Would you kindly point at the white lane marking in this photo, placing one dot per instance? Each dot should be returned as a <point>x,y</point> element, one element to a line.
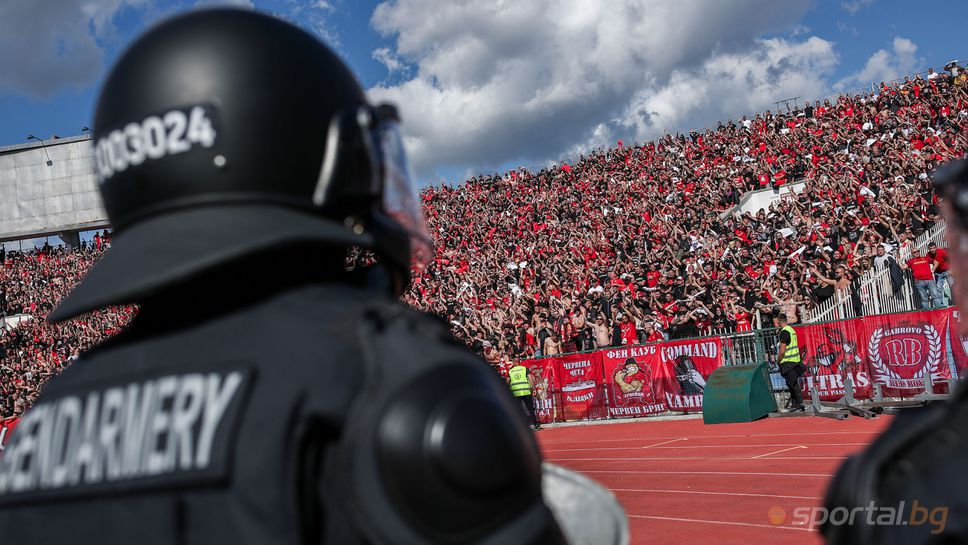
<point>708,493</point>
<point>778,452</point>
<point>662,443</point>
<point>778,527</point>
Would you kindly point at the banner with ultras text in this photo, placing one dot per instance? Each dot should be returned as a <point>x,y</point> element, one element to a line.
<point>896,351</point>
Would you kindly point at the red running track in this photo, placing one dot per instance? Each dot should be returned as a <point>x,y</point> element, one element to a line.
<point>684,483</point>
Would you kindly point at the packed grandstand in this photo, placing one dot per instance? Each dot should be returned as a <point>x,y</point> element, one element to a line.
<point>628,245</point>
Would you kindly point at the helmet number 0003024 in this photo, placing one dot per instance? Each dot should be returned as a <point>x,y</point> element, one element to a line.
<point>171,133</point>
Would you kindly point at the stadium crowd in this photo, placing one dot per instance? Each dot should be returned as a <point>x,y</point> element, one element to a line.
<point>32,350</point>
<point>627,245</point>
<point>636,243</point>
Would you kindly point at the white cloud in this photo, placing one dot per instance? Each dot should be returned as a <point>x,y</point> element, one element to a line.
<point>885,65</point>
<point>528,81</point>
<point>388,59</point>
<point>729,85</point>
<point>853,6</point>
<point>49,46</point>
<point>314,16</point>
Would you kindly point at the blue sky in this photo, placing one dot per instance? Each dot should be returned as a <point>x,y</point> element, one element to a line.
<point>485,86</point>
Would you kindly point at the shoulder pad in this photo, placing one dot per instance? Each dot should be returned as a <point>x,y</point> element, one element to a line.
<point>438,449</point>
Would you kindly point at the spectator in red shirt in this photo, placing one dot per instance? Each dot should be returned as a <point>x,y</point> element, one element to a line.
<point>629,336</point>
<point>922,267</point>
<point>942,266</point>
<point>742,318</point>
<point>650,334</point>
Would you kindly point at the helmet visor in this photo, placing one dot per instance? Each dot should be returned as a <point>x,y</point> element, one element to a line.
<point>400,199</point>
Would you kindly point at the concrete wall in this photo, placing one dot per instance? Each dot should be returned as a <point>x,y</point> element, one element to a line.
<point>11,322</point>
<point>37,199</point>
<point>755,200</point>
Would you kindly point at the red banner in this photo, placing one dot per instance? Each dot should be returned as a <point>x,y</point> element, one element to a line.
<point>6,428</point>
<point>544,379</point>
<point>896,350</point>
<point>670,376</point>
<point>630,381</point>
<point>684,368</point>
<point>959,344</point>
<point>903,348</point>
<point>579,383</point>
<point>831,352</point>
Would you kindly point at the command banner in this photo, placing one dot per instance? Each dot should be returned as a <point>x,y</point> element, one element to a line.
<point>630,381</point>
<point>683,369</point>
<point>831,352</point>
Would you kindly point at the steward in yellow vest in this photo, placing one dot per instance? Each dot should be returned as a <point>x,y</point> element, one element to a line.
<point>791,366</point>
<point>519,381</point>
<point>521,389</point>
<point>792,352</point>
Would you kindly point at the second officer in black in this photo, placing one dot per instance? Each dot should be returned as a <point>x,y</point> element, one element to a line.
<point>263,394</point>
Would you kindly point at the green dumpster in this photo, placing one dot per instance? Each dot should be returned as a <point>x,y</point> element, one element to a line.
<point>737,393</point>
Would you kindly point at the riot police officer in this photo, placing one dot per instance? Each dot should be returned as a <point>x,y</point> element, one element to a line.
<point>263,394</point>
<point>906,488</point>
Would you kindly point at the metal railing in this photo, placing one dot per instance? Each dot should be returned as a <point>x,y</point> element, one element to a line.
<point>752,348</point>
<point>875,290</point>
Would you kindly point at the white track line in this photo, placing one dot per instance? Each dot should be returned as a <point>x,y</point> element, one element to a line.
<point>701,446</point>
<point>873,434</point>
<point>706,493</point>
<point>722,522</point>
<point>658,472</point>
<point>778,452</point>
<point>662,443</point>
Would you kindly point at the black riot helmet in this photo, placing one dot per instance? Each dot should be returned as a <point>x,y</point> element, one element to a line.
<point>223,132</point>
